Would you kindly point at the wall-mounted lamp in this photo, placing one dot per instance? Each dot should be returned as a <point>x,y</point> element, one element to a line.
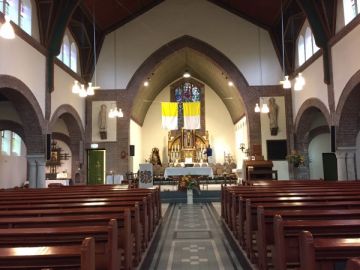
<point>242,147</point>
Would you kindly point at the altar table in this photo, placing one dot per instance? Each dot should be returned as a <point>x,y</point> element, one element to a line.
<point>176,171</point>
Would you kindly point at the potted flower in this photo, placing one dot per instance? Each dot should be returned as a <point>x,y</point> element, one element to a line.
<point>189,184</point>
<point>296,159</point>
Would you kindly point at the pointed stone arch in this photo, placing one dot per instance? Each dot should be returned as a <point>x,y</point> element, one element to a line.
<point>75,138</point>
<point>29,111</point>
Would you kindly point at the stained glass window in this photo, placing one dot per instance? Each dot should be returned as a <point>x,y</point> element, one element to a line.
<point>186,92</point>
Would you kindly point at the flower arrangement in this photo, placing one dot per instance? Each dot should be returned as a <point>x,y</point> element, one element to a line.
<point>296,158</point>
<point>186,182</point>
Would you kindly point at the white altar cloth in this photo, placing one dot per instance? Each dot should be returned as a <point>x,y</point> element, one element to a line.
<point>172,171</point>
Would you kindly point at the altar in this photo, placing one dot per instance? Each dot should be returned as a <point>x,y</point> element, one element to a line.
<point>187,145</point>
<point>177,171</point>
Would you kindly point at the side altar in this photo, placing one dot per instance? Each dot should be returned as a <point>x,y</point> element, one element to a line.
<point>187,146</point>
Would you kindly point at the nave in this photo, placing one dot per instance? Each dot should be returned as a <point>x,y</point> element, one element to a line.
<point>192,237</point>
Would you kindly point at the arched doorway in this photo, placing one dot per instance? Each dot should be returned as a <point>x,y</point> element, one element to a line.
<point>66,127</point>
<point>25,117</point>
<point>312,138</point>
<point>348,129</point>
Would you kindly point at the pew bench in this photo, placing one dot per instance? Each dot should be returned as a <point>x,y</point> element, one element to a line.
<point>326,253</point>
<point>50,257</point>
<point>107,253</point>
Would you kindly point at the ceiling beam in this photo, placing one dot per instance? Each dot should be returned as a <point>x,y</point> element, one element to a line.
<point>321,30</point>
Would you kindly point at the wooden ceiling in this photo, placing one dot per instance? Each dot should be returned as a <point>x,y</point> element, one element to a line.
<point>77,15</point>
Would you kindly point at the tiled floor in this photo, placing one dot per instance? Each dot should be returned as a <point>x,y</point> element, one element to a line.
<point>192,238</point>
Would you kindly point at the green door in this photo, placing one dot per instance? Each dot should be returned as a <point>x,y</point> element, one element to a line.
<point>96,167</point>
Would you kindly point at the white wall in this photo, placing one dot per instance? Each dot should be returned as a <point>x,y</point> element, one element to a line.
<point>136,140</point>
<point>241,136</point>
<point>20,60</point>
<point>320,144</point>
<point>152,134</point>
<point>9,176</point>
<point>60,127</point>
<point>240,40</point>
<point>62,94</point>
<point>218,123</point>
<point>280,166</point>
<point>346,60</point>
<point>314,86</point>
<point>8,112</point>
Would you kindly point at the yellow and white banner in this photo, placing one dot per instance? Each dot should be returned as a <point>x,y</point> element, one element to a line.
<point>191,115</point>
<point>169,113</point>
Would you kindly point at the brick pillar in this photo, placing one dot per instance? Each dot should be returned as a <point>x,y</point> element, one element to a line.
<point>36,170</point>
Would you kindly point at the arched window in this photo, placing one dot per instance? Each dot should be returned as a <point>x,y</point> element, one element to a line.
<point>13,10</point>
<point>16,144</point>
<point>315,47</point>
<point>73,58</point>
<point>301,50</point>
<point>187,91</point>
<point>6,142</point>
<point>351,9</point>
<point>308,44</point>
<point>66,51</point>
<point>60,55</point>
<point>26,16</point>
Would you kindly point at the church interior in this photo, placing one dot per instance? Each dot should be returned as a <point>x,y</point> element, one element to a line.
<point>180,133</point>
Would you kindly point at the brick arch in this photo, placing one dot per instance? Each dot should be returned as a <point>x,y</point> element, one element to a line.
<point>347,117</point>
<point>71,119</point>
<point>249,95</point>
<point>303,117</point>
<point>14,127</point>
<point>76,137</point>
<point>29,111</point>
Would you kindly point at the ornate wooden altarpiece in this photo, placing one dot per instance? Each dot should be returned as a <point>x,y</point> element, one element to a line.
<point>185,143</point>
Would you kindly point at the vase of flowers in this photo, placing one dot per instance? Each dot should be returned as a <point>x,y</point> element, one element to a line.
<point>296,159</point>
<point>189,184</point>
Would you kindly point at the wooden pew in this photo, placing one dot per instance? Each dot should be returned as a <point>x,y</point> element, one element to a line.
<point>103,197</point>
<point>13,210</point>
<point>265,225</point>
<point>250,223</point>
<point>286,236</point>
<point>325,253</point>
<point>107,253</point>
<point>63,216</point>
<point>50,257</point>
<point>353,264</point>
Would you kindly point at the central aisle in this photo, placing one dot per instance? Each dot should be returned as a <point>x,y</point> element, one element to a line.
<point>192,238</point>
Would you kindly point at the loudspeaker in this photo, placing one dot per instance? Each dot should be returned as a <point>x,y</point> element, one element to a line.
<point>333,139</point>
<point>132,150</point>
<point>48,146</point>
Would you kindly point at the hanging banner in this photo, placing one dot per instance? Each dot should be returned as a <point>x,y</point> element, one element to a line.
<point>145,175</point>
<point>169,114</point>
<point>191,115</point>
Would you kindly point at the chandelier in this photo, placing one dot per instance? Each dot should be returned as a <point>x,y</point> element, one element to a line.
<point>80,89</point>
<point>115,112</point>
<point>264,108</point>
<point>299,80</point>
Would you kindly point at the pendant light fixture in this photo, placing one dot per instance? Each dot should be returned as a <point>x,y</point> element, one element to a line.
<point>80,88</point>
<point>6,29</point>
<point>115,112</point>
<point>286,82</point>
<point>263,108</point>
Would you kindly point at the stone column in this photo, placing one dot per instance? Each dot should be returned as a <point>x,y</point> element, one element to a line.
<point>350,165</point>
<point>341,164</point>
<point>36,170</point>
